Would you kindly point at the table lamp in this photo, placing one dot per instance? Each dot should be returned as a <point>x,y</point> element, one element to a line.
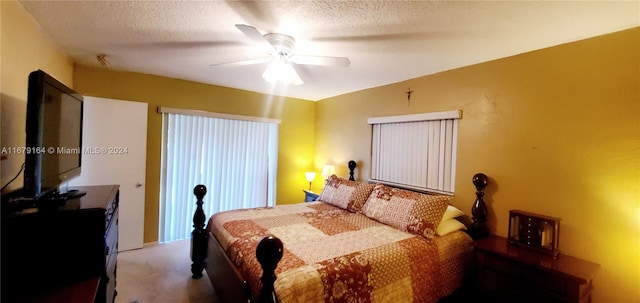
<point>310,176</point>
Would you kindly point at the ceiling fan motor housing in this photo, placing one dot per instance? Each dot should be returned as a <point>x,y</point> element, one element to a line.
<point>282,44</point>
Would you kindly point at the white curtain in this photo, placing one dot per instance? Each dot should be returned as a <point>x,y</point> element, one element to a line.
<point>235,159</point>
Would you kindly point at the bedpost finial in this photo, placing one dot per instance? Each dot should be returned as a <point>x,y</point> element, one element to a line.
<point>269,251</point>
<point>352,167</point>
<point>480,180</point>
<point>200,191</point>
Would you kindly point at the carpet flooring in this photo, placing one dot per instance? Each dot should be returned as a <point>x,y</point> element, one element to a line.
<point>160,273</point>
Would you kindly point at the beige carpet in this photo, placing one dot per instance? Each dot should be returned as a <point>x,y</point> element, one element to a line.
<point>161,273</point>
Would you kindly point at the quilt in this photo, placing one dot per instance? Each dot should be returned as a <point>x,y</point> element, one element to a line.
<point>332,255</point>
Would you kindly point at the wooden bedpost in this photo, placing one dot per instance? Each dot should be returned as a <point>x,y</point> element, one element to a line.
<point>268,253</point>
<point>199,236</point>
<point>352,167</point>
<point>479,209</point>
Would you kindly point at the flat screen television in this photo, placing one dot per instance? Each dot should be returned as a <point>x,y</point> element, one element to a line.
<point>53,150</point>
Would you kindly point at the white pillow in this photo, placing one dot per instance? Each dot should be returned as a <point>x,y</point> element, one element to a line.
<point>451,212</point>
<point>449,226</point>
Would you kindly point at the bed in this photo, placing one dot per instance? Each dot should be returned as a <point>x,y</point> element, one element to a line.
<point>361,242</point>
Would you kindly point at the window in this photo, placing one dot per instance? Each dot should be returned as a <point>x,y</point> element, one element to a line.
<point>235,157</point>
<point>416,151</point>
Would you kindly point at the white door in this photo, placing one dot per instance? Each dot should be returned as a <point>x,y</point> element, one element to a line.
<point>115,132</point>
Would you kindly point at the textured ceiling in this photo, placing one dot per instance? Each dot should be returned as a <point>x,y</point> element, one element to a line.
<point>386,41</point>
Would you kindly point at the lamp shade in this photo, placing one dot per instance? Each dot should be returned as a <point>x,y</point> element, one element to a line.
<point>328,170</point>
<point>280,71</point>
<point>310,175</point>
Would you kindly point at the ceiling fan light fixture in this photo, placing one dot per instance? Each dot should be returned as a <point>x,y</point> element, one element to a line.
<point>281,72</point>
<point>280,48</point>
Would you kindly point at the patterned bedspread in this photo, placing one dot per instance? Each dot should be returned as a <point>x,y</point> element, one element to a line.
<point>333,255</point>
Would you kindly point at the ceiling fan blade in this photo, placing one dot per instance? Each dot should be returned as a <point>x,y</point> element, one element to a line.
<point>396,36</point>
<point>297,80</point>
<point>177,44</point>
<point>319,60</point>
<point>243,62</point>
<point>294,78</point>
<point>253,34</point>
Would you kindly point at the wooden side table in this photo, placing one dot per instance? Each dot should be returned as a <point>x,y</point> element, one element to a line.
<point>310,196</point>
<point>508,273</point>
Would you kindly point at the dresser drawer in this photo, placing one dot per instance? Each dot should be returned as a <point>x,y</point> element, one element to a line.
<point>508,281</point>
<point>508,273</point>
<point>499,287</point>
<point>502,266</point>
<point>546,281</point>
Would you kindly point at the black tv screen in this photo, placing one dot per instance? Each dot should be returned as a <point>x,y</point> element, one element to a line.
<point>53,151</point>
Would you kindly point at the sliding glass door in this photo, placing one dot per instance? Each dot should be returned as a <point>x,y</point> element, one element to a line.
<point>235,158</point>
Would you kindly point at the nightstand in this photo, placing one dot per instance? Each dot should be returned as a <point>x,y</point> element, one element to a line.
<point>310,196</point>
<point>507,273</point>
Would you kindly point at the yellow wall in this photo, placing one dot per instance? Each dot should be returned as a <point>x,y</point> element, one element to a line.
<point>23,49</point>
<point>295,136</point>
<point>556,130</point>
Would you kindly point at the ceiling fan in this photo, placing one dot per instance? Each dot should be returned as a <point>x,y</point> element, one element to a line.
<point>280,53</point>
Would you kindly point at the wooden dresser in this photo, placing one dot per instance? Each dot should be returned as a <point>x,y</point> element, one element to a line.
<point>51,250</point>
<point>508,273</point>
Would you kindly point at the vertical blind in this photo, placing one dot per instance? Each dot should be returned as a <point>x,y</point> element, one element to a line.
<point>235,159</point>
<point>416,151</point>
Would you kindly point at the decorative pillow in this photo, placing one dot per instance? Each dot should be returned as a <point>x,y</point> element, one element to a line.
<point>406,210</point>
<point>448,226</point>
<point>346,194</point>
<point>451,212</point>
